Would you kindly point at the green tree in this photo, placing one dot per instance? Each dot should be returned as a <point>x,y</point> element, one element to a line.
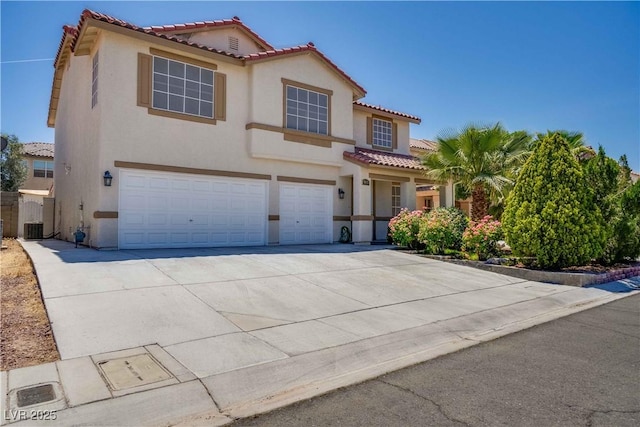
<point>619,203</point>
<point>12,168</point>
<point>575,139</point>
<point>551,214</point>
<point>481,159</point>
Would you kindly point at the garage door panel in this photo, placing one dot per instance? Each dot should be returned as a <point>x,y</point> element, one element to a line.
<point>158,238</point>
<point>136,181</point>
<point>159,209</point>
<point>133,219</point>
<point>158,220</point>
<point>179,219</point>
<point>158,183</point>
<point>157,202</point>
<point>200,237</point>
<point>179,202</point>
<point>135,201</point>
<point>180,184</point>
<point>202,186</point>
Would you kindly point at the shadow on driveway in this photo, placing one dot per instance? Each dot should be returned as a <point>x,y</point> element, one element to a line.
<point>68,253</point>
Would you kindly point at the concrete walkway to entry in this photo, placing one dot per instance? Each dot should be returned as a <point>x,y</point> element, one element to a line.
<point>245,330</point>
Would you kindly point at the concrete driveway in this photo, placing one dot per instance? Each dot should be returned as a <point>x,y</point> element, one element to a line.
<point>270,325</point>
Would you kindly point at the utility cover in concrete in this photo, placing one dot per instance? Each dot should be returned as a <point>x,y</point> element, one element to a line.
<point>132,371</point>
<point>35,395</point>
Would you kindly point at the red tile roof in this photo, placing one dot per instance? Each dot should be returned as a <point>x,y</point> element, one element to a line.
<point>386,110</point>
<point>309,47</point>
<point>423,144</point>
<point>189,26</point>
<point>373,157</point>
<point>41,149</point>
<point>89,14</point>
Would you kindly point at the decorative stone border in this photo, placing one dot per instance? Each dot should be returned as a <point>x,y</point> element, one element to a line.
<point>557,277</point>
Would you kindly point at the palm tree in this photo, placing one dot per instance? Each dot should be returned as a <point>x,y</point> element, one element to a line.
<point>483,159</point>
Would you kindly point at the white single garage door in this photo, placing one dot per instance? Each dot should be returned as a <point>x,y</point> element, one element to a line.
<point>306,214</point>
<point>175,210</point>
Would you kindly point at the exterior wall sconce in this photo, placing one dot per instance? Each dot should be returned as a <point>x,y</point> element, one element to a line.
<point>340,193</point>
<point>107,179</point>
<point>365,181</point>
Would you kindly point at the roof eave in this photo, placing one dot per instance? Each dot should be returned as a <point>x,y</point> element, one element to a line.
<point>387,114</point>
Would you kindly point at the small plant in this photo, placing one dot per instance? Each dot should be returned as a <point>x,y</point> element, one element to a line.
<point>441,230</point>
<point>481,238</point>
<point>404,227</point>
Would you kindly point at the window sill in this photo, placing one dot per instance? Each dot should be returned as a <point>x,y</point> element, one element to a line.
<point>187,117</point>
<point>382,148</point>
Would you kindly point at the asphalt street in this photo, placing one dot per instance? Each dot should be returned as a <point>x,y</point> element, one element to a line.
<point>581,370</point>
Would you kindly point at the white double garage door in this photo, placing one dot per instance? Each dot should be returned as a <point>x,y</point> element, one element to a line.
<point>175,210</point>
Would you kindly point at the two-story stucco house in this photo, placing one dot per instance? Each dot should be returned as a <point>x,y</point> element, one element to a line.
<point>213,137</point>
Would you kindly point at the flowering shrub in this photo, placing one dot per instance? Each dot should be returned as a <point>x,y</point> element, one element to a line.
<point>442,229</point>
<point>481,237</point>
<point>404,227</point>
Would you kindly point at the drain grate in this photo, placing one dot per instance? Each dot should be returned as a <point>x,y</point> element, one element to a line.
<point>35,395</point>
<point>132,371</point>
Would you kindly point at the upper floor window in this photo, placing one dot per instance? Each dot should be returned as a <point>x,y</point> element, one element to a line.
<point>382,133</point>
<point>42,169</point>
<point>307,110</point>
<point>94,81</point>
<point>182,88</point>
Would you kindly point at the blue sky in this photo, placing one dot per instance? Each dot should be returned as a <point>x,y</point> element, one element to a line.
<point>529,65</point>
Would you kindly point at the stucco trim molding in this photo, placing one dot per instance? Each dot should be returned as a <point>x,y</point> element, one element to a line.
<point>105,214</point>
<point>195,171</point>
<point>382,177</point>
<point>306,180</point>
<point>321,140</point>
<point>361,217</point>
<point>341,218</point>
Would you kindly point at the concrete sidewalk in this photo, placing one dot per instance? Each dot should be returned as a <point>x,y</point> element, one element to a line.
<point>204,336</point>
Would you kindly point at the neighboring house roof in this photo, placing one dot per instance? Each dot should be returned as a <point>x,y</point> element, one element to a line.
<point>373,157</point>
<point>423,144</point>
<point>365,106</point>
<point>40,149</point>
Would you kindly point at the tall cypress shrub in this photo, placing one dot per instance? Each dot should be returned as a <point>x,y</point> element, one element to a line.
<point>551,214</point>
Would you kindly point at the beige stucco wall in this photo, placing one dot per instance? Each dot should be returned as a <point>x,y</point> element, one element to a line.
<point>34,182</point>
<point>78,170</point>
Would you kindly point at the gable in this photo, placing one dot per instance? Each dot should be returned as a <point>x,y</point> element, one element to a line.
<point>232,40</point>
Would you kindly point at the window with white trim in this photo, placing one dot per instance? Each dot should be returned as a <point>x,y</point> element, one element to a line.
<point>42,169</point>
<point>94,81</point>
<point>395,199</point>
<point>307,110</point>
<point>382,133</point>
<point>182,88</point>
